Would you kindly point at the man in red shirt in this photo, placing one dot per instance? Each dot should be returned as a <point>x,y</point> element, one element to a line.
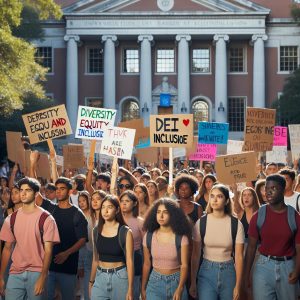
<point>276,272</point>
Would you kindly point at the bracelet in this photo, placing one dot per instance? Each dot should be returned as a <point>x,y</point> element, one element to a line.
<point>92,282</point>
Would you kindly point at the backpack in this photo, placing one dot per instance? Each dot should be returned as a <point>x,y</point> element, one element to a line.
<point>178,239</point>
<point>234,228</point>
<point>261,216</point>
<point>43,217</point>
<point>121,238</point>
<point>297,204</point>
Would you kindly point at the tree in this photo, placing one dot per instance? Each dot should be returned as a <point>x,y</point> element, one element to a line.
<point>295,13</point>
<point>288,105</point>
<point>20,76</point>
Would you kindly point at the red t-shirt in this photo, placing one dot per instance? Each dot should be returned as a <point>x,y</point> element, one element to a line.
<point>276,236</point>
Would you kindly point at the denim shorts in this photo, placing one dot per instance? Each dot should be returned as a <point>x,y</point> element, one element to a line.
<point>163,286</point>
<point>216,280</point>
<point>113,286</point>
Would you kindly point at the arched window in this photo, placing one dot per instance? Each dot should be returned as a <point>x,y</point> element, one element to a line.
<point>200,112</point>
<point>130,110</point>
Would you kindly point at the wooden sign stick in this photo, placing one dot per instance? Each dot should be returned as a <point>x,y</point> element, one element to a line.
<point>92,155</point>
<point>114,174</point>
<point>171,166</point>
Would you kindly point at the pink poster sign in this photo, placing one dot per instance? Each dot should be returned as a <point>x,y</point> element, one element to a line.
<point>206,152</point>
<point>280,136</point>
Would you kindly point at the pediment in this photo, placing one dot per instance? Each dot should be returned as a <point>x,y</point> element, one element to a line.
<point>156,6</point>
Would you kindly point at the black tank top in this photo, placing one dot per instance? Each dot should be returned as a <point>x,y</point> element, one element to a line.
<point>245,224</point>
<point>194,214</point>
<point>109,248</point>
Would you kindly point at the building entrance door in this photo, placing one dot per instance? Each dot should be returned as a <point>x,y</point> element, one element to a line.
<point>162,110</point>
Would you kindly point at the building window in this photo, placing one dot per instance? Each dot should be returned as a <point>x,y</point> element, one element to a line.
<point>94,102</point>
<point>236,113</point>
<point>130,110</point>
<point>200,112</point>
<point>43,56</point>
<point>165,61</point>
<point>201,60</point>
<point>236,60</point>
<point>95,60</point>
<point>131,61</point>
<point>288,58</point>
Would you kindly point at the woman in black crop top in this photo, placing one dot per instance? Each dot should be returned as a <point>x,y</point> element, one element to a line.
<point>112,270</point>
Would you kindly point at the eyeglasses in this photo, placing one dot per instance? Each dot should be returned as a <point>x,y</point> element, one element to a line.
<point>122,186</point>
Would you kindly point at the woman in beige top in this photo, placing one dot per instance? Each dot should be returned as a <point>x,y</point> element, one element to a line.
<point>219,277</point>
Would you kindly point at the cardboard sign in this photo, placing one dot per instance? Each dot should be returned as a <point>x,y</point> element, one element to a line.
<point>149,155</point>
<point>171,130</point>
<point>47,124</point>
<point>92,121</point>
<point>280,136</point>
<point>234,147</point>
<point>205,152</point>
<point>294,131</point>
<point>73,156</point>
<point>212,133</point>
<point>259,133</point>
<point>118,142</point>
<point>277,155</point>
<point>43,166</point>
<point>141,132</point>
<point>178,152</point>
<point>143,144</point>
<point>15,149</point>
<point>236,167</point>
<point>87,147</point>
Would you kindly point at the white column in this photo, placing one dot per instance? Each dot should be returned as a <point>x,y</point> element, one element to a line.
<point>109,71</point>
<point>183,77</point>
<point>145,78</point>
<point>72,78</point>
<point>259,93</point>
<point>221,78</point>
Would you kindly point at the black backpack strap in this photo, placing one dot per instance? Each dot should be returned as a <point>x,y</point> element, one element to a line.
<point>297,203</point>
<point>202,225</point>
<point>122,238</point>
<point>178,239</point>
<point>12,222</point>
<point>234,229</point>
<point>42,220</point>
<point>95,239</point>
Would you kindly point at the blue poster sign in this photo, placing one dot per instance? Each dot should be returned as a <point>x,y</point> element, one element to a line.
<point>212,133</point>
<point>165,100</point>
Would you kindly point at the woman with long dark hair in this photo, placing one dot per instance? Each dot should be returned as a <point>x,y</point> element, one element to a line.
<point>207,183</point>
<point>112,269</point>
<point>153,191</point>
<point>166,250</point>
<point>97,198</point>
<point>14,202</point>
<point>219,277</point>
<point>142,195</point>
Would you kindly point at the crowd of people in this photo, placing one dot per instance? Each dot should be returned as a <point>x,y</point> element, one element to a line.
<point>131,234</point>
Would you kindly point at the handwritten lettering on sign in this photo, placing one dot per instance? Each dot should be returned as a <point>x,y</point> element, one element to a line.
<point>73,156</point>
<point>294,131</point>
<point>205,152</point>
<point>259,129</point>
<point>171,130</point>
<point>118,142</point>
<point>92,121</point>
<point>212,133</point>
<point>280,136</point>
<point>47,124</point>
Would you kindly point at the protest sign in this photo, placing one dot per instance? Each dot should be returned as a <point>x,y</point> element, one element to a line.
<point>60,160</point>
<point>280,136</point>
<point>92,121</point>
<point>15,149</point>
<point>171,130</point>
<point>73,156</point>
<point>212,133</point>
<point>259,133</point>
<point>50,123</point>
<point>149,155</point>
<point>277,155</point>
<point>234,147</point>
<point>43,166</point>
<point>236,167</point>
<point>178,152</point>
<point>87,147</point>
<point>294,131</point>
<point>205,152</point>
<point>141,132</point>
<point>118,142</point>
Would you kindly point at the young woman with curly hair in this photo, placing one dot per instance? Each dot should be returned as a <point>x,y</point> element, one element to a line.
<point>207,183</point>
<point>130,210</point>
<point>167,226</point>
<point>142,194</point>
<point>219,277</point>
<point>112,269</point>
<point>153,191</point>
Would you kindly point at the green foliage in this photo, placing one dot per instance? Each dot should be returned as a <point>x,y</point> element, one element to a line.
<point>295,13</point>
<point>288,106</point>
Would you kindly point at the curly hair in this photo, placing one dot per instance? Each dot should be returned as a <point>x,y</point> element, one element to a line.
<point>189,179</point>
<point>179,222</point>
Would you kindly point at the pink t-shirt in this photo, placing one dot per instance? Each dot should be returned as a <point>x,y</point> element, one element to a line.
<point>136,226</point>
<point>164,255</point>
<point>28,253</point>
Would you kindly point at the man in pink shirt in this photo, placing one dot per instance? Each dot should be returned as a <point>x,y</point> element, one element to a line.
<point>32,252</point>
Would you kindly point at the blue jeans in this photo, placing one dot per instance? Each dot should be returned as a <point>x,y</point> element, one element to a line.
<point>270,280</point>
<point>110,286</point>
<point>163,286</point>
<point>21,286</point>
<point>86,258</point>
<point>216,280</point>
<point>66,283</point>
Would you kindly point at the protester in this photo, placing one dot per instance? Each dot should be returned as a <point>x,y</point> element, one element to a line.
<point>168,230</point>
<point>142,195</point>
<point>103,182</point>
<point>271,168</point>
<point>155,172</point>
<point>199,175</point>
<point>219,276</point>
<point>97,198</point>
<point>260,191</point>
<point>137,173</point>
<point>124,183</point>
<point>153,191</point>
<point>276,228</point>
<point>130,210</point>
<point>14,202</point>
<point>31,255</point>
<point>112,273</point>
<point>50,192</point>
<point>202,198</point>
<point>145,178</point>
<point>162,185</point>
